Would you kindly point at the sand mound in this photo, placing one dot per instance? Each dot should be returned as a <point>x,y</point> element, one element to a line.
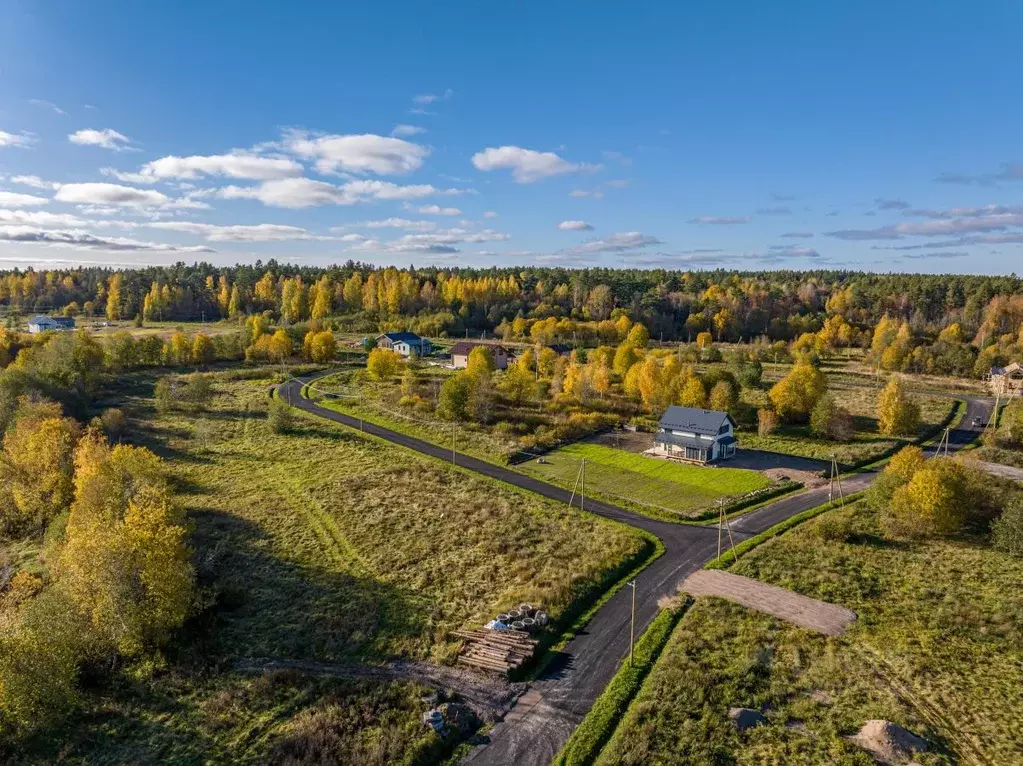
<point>888,742</point>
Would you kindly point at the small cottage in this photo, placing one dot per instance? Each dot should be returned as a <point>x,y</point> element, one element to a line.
<point>405,343</point>
<point>1008,380</point>
<point>699,436</point>
<point>44,324</point>
<point>461,350</point>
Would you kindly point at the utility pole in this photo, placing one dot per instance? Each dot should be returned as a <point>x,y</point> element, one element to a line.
<point>632,629</point>
<point>452,444</point>
<point>582,484</point>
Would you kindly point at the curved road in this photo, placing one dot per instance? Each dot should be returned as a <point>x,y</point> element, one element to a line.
<point>542,720</point>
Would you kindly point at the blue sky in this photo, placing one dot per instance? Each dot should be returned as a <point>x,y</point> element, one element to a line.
<point>881,136</point>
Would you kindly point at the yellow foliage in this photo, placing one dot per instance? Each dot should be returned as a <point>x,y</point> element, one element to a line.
<point>383,364</point>
<point>897,414</point>
<point>795,395</point>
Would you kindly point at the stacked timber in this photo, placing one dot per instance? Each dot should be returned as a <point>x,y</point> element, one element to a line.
<point>500,651</point>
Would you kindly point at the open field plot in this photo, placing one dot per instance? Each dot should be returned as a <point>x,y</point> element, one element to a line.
<point>333,544</point>
<point>621,476</point>
<point>320,545</point>
<point>866,442</point>
<point>937,648</point>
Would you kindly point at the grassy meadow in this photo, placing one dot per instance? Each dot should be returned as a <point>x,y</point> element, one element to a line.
<point>866,442</point>
<point>660,485</point>
<point>937,648</point>
<point>320,544</point>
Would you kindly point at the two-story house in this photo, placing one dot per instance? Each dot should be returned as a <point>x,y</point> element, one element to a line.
<point>700,436</point>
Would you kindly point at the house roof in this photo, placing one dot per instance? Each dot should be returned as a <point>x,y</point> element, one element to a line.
<point>695,420</point>
<point>464,347</point>
<point>560,348</point>
<point>398,337</point>
<point>41,319</point>
<point>1014,367</point>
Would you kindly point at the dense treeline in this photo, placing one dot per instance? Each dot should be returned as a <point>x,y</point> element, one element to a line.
<point>674,305</point>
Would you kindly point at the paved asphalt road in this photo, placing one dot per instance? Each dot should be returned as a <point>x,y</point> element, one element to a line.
<point>543,719</point>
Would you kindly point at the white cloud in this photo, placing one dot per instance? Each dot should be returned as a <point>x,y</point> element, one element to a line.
<point>616,243</point>
<point>407,130</point>
<point>439,242</point>
<point>46,105</point>
<point>305,192</point>
<point>40,218</point>
<point>13,199</point>
<point>396,223</point>
<point>438,210</point>
<point>12,139</point>
<point>122,196</point>
<point>233,165</point>
<point>105,139</point>
<point>489,214</point>
<point>83,239</point>
<point>575,226</point>
<point>262,232</point>
<point>721,220</point>
<point>792,251</point>
<point>429,98</point>
<point>526,165</point>
<point>938,227</point>
<point>595,194</point>
<point>33,181</point>
<point>365,153</point>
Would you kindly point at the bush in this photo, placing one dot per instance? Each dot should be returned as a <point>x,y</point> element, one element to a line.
<point>280,417</point>
<point>936,501</point>
<point>767,421</point>
<point>1008,529</point>
<point>833,527</point>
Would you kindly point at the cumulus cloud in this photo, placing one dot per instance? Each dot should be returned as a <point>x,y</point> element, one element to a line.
<point>438,210</point>
<point>15,139</point>
<point>261,232</point>
<point>305,192</point>
<point>395,223</point>
<point>973,239</point>
<point>526,165</point>
<point>122,196</point>
<point>721,220</point>
<point>968,212</point>
<point>40,218</point>
<point>443,241</point>
<point>105,139</point>
<point>407,130</point>
<point>83,239</point>
<point>13,199</point>
<point>365,153</point>
<point>34,181</point>
<point>233,165</point>
<point>791,251</point>
<point>938,227</point>
<point>616,243</point>
<point>575,226</point>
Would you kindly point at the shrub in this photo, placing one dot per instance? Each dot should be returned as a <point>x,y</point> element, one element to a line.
<point>834,527</point>
<point>936,501</point>
<point>279,417</point>
<point>767,421</point>
<point>1008,529</point>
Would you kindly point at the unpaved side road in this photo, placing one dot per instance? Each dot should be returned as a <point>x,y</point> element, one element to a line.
<point>542,720</point>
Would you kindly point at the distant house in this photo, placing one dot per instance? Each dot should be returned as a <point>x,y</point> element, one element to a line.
<point>560,349</point>
<point>1008,380</point>
<point>43,324</point>
<point>405,343</point>
<point>700,436</point>
<point>461,350</point>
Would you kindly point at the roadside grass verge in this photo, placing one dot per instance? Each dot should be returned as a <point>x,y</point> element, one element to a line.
<point>657,487</point>
<point>937,648</point>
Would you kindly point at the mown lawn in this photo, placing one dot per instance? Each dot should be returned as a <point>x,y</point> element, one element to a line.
<point>321,544</point>
<point>937,648</point>
<point>866,442</point>
<point>620,476</point>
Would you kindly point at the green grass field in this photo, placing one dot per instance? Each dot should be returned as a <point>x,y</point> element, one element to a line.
<point>666,486</point>
<point>937,648</point>
<point>323,545</point>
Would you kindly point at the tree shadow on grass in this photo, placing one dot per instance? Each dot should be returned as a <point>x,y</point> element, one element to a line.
<point>270,607</point>
<point>871,540</point>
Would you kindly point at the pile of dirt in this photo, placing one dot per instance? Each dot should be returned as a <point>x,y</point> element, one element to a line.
<point>888,742</point>
<point>809,479</point>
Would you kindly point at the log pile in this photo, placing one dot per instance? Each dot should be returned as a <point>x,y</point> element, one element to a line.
<point>500,651</point>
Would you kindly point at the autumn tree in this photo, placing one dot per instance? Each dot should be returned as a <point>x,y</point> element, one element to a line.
<point>897,413</point>
<point>383,364</point>
<point>203,350</point>
<point>114,297</point>
<point>480,362</point>
<point>693,393</point>
<point>723,397</point>
<point>319,347</point>
<point>767,421</point>
<point>830,421</point>
<point>900,469</point>
<point>454,397</point>
<point>125,563</point>
<point>935,501</point>
<point>795,395</point>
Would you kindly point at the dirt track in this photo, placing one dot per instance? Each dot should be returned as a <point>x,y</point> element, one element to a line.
<point>542,720</point>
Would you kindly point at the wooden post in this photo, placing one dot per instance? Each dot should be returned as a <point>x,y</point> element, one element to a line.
<point>582,484</point>
<point>632,629</point>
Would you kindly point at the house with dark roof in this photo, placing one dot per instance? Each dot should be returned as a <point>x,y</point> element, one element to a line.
<point>461,350</point>
<point>44,323</point>
<point>405,343</point>
<point>695,435</point>
<point>1008,380</point>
